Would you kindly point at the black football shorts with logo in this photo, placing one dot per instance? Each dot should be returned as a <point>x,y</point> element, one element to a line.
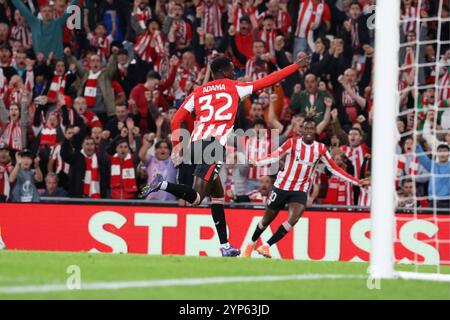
<point>279,198</point>
<point>208,156</point>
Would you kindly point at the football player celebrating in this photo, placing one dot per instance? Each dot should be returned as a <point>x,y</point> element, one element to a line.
<point>293,182</point>
<point>215,105</point>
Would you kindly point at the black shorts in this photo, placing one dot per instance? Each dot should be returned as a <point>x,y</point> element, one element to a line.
<point>208,157</point>
<point>279,198</point>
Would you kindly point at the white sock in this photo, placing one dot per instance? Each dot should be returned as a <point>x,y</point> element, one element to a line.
<point>163,185</point>
<point>225,245</point>
<point>252,242</point>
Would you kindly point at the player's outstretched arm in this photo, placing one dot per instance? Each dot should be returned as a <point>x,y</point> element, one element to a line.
<point>336,170</point>
<point>277,76</point>
<point>274,156</point>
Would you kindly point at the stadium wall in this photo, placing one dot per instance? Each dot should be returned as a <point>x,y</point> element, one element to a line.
<point>319,235</point>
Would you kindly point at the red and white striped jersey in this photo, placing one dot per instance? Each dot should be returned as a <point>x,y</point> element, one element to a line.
<point>216,102</point>
<point>255,69</point>
<point>241,10</point>
<point>444,85</point>
<point>255,149</point>
<point>211,19</point>
<point>365,196</point>
<point>300,164</point>
<point>282,20</point>
<point>268,37</point>
<point>310,15</point>
<point>408,19</point>
<point>215,105</point>
<point>356,156</point>
<point>183,32</point>
<point>407,165</point>
<point>21,34</point>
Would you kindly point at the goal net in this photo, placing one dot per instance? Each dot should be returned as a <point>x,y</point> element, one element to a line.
<point>411,123</point>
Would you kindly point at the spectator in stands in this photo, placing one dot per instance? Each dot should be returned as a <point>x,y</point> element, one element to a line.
<point>439,186</point>
<point>241,41</point>
<point>406,196</point>
<point>96,83</point>
<point>47,34</point>
<point>116,123</point>
<point>24,177</point>
<point>312,99</point>
<point>123,174</point>
<point>146,97</point>
<point>159,163</point>
<point>339,192</point>
<point>311,16</point>
<point>261,195</point>
<point>235,177</point>
<point>183,31</point>
<point>14,125</point>
<point>5,169</point>
<point>51,186</point>
<point>85,178</point>
<point>81,114</point>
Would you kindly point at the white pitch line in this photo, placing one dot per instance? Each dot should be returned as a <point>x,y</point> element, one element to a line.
<point>172,282</point>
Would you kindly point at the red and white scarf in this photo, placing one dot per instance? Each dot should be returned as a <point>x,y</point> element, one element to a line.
<point>162,66</point>
<point>182,34</point>
<point>90,88</point>
<point>48,136</point>
<point>123,172</point>
<point>355,35</point>
<point>12,136</point>
<point>58,85</point>
<point>102,44</point>
<point>340,192</point>
<point>91,119</point>
<point>144,49</point>
<point>55,154</point>
<point>4,181</point>
<point>91,187</point>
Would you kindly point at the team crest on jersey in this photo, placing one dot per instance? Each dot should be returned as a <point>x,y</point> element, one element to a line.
<point>216,87</point>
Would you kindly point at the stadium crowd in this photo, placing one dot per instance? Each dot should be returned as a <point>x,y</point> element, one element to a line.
<point>87,96</point>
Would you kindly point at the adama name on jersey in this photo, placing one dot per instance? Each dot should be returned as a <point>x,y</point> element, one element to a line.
<point>216,87</point>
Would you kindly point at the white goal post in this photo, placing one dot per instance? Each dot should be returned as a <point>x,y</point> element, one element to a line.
<point>385,137</point>
<point>387,41</point>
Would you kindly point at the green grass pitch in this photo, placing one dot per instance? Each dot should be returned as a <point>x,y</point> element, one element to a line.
<point>20,269</point>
